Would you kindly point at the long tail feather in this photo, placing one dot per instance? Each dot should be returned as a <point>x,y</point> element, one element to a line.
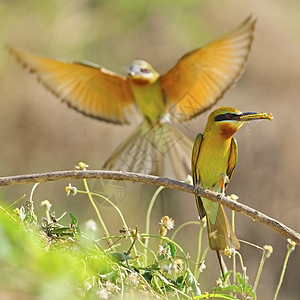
<point>221,262</point>
<point>159,150</point>
<point>220,234</point>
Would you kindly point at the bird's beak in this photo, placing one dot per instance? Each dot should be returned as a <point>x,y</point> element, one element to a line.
<point>250,116</point>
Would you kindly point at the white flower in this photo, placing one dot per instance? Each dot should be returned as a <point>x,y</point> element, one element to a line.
<point>46,204</point>
<point>189,180</point>
<point>202,266</point>
<point>162,250</point>
<point>71,190</point>
<point>91,225</point>
<point>234,197</point>
<point>268,250</point>
<point>219,282</point>
<point>166,269</point>
<point>229,251</point>
<point>103,293</point>
<point>87,285</point>
<point>111,287</point>
<point>81,166</point>
<point>133,278</point>
<point>167,222</point>
<point>177,265</point>
<point>291,245</point>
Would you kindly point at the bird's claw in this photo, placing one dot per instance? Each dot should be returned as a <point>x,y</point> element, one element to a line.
<point>221,196</point>
<point>197,189</point>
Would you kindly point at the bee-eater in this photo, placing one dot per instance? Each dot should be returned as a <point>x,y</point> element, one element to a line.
<point>214,157</point>
<point>193,85</point>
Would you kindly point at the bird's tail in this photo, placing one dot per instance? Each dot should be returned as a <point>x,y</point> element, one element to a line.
<point>157,150</point>
<point>220,234</point>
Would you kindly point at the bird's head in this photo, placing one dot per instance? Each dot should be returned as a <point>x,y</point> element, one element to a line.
<point>228,120</point>
<point>141,71</point>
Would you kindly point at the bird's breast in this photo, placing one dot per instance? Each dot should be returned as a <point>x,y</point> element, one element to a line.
<point>149,99</point>
<point>213,163</point>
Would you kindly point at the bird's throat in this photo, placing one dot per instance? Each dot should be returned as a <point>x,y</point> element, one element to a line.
<point>227,131</point>
<point>140,81</point>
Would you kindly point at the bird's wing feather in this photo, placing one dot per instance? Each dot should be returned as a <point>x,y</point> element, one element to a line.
<point>195,174</point>
<point>159,150</point>
<point>201,77</point>
<point>195,155</point>
<point>232,158</point>
<point>86,87</point>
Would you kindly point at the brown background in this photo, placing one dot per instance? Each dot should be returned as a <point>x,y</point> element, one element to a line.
<point>39,134</point>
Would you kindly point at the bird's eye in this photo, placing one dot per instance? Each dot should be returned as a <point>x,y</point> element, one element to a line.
<point>145,70</point>
<point>228,115</point>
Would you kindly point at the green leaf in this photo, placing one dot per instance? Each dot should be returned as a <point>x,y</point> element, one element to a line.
<point>74,220</point>
<point>172,248</point>
<point>60,230</point>
<point>215,296</point>
<point>192,282</point>
<point>160,257</point>
<point>154,267</point>
<point>163,279</point>
<point>121,256</point>
<point>179,282</point>
<point>148,275</point>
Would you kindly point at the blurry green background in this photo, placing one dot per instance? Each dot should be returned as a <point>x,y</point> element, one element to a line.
<point>40,134</point>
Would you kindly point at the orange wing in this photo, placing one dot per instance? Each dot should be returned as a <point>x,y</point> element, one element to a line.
<point>201,77</point>
<point>86,87</point>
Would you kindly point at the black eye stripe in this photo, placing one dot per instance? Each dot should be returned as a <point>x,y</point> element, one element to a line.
<point>226,116</point>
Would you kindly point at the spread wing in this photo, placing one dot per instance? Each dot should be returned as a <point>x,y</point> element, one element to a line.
<point>195,174</point>
<point>88,88</point>
<point>232,158</point>
<point>201,77</point>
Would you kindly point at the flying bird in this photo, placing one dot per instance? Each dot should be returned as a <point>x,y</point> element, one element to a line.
<point>196,82</point>
<point>214,157</point>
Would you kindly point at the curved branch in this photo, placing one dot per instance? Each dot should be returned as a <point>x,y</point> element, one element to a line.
<point>159,181</point>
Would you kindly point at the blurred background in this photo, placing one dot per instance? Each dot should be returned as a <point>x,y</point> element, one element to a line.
<point>40,134</point>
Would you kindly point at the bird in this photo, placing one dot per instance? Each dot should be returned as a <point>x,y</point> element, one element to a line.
<point>196,82</point>
<point>214,157</point>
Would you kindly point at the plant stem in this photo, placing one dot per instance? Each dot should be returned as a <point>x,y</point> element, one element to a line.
<point>148,220</point>
<point>205,253</point>
<point>97,211</point>
<point>163,238</point>
<point>183,225</point>
<point>16,202</point>
<point>260,268</point>
<point>233,257</point>
<point>291,248</point>
<point>115,207</point>
<point>196,271</point>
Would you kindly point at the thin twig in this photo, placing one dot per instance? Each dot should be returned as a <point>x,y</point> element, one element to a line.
<point>159,181</point>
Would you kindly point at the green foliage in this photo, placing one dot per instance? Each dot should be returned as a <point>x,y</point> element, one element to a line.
<point>241,288</point>
<point>49,257</point>
<point>30,267</point>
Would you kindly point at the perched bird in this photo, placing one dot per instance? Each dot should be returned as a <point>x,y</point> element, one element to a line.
<point>214,157</point>
<point>197,81</point>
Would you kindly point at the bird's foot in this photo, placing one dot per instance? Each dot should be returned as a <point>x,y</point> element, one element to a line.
<point>197,189</point>
<point>221,195</point>
<point>225,180</point>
